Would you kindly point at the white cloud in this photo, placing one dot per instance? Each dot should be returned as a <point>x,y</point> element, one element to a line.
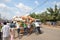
<point>2,5</point>
<point>5,0</point>
<point>6,11</point>
<point>9,12</point>
<point>36,2</point>
<point>5,15</point>
<point>56,3</point>
<point>23,7</point>
<point>43,10</point>
<point>18,13</point>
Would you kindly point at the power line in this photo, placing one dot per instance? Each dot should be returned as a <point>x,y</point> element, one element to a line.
<point>39,5</point>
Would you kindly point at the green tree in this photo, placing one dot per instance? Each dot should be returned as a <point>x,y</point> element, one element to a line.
<point>53,13</point>
<point>33,15</point>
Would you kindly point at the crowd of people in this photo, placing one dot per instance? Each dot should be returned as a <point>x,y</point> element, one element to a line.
<point>8,29</point>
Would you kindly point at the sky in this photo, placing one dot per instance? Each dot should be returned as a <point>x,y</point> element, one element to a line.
<point>11,8</point>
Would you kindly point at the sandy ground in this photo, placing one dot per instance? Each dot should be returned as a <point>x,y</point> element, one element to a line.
<point>49,33</point>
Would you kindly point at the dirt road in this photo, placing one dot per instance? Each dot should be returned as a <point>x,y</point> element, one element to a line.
<point>48,34</point>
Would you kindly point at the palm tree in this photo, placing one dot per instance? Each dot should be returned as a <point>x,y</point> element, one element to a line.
<point>53,13</point>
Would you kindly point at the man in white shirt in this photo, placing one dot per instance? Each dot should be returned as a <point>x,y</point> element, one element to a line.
<point>6,31</point>
<point>37,27</point>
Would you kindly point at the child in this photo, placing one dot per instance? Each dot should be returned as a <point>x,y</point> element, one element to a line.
<point>11,34</point>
